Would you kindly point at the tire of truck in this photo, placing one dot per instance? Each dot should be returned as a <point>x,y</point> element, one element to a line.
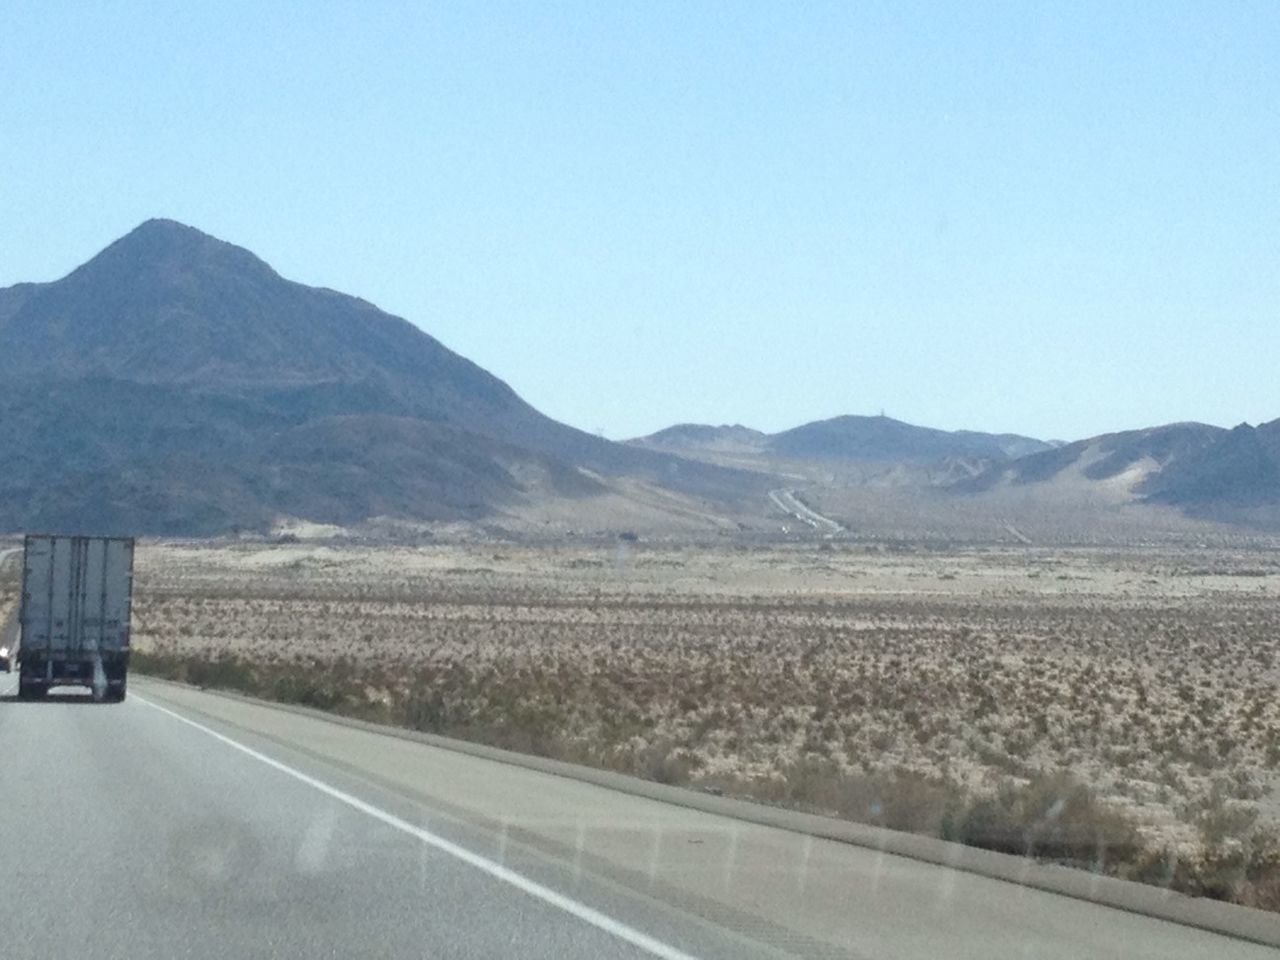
<point>115,694</point>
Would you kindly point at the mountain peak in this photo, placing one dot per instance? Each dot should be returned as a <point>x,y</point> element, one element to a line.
<point>173,247</point>
<point>161,231</point>
<point>169,303</point>
<point>167,226</point>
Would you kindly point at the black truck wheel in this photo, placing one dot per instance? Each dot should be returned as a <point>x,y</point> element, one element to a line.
<point>114,691</point>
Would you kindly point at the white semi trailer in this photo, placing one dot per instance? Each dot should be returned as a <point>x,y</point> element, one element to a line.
<point>74,620</point>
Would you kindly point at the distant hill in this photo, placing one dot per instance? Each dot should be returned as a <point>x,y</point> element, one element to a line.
<point>1107,456</point>
<point>1207,471</point>
<point>1238,468</point>
<point>862,469</point>
<point>886,439</point>
<point>855,438</point>
<point>685,437</point>
<point>177,384</point>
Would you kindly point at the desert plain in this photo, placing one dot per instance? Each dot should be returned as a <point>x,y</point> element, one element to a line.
<point>886,683</point>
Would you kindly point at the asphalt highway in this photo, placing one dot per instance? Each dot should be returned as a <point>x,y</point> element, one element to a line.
<point>182,824</point>
<point>789,503</point>
<point>130,833</point>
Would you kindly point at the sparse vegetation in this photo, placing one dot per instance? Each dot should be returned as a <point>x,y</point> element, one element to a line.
<point>1087,717</point>
<point>9,591</point>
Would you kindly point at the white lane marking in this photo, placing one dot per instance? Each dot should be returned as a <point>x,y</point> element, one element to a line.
<point>534,889</point>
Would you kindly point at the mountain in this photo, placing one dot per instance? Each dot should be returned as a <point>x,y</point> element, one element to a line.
<point>864,470</point>
<point>1106,457</point>
<point>177,384</point>
<point>687,437</point>
<point>1206,471</point>
<point>885,439</point>
<point>1239,468</point>
<point>853,438</point>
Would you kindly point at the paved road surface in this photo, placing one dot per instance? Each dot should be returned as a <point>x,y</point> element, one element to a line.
<point>788,502</point>
<point>183,824</point>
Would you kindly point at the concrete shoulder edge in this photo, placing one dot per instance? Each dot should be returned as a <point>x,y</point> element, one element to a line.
<point>1246,923</point>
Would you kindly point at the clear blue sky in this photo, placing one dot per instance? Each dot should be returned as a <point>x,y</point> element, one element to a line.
<point>1054,219</point>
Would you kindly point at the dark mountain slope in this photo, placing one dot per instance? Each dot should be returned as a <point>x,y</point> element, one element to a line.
<point>179,377</point>
<point>886,439</point>
<point>169,304</point>
<point>1206,471</point>
<point>95,454</point>
<point>1104,457</point>
<point>1241,467</point>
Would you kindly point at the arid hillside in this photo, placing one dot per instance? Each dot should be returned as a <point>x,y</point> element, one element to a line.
<point>175,384</point>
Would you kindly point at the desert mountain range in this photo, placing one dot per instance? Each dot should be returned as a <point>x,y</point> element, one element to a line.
<point>176,385</point>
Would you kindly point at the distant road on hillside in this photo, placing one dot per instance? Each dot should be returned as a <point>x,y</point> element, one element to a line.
<point>787,501</point>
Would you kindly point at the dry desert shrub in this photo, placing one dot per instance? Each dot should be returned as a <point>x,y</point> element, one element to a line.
<point>950,704</point>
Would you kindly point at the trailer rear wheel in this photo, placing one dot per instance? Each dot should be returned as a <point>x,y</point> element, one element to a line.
<point>114,692</point>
